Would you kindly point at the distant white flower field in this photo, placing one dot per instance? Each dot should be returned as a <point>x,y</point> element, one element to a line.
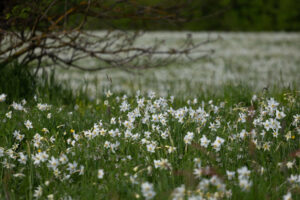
<point>259,60</point>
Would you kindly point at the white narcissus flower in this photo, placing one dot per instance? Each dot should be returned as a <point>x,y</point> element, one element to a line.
<point>72,167</point>
<point>53,163</point>
<point>8,115</point>
<point>178,193</point>
<point>38,192</point>
<point>19,175</point>
<point>230,174</point>
<point>162,163</point>
<point>217,143</point>
<point>81,171</point>
<point>290,164</point>
<point>17,106</point>
<point>151,148</point>
<point>28,124</point>
<point>43,107</point>
<point>279,115</point>
<point>243,172</point>
<point>100,173</point>
<point>124,106</point>
<point>197,172</point>
<point>63,159</point>
<point>204,141</point>
<point>50,197</point>
<point>2,97</point>
<point>245,184</point>
<point>23,158</point>
<point>108,94</point>
<point>1,152</point>
<point>147,190</point>
<point>243,134</point>
<point>288,196</point>
<point>188,137</point>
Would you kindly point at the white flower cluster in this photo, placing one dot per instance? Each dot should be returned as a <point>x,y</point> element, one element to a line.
<point>147,190</point>
<point>220,149</point>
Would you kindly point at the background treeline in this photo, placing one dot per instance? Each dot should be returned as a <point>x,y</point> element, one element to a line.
<point>228,15</point>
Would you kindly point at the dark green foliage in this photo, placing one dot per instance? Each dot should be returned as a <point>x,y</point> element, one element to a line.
<point>54,91</point>
<point>232,15</point>
<point>17,82</point>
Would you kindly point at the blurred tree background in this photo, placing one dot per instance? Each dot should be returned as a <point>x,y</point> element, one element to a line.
<point>35,34</point>
<point>227,15</point>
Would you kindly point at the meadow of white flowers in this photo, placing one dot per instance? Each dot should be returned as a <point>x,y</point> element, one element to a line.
<point>151,147</point>
<point>259,60</point>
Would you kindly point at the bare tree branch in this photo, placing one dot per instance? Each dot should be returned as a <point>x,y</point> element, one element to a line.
<point>50,40</point>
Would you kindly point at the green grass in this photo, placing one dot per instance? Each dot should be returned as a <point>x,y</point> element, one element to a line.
<point>123,177</point>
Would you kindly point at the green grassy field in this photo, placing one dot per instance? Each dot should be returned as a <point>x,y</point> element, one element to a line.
<point>230,131</point>
<point>234,145</point>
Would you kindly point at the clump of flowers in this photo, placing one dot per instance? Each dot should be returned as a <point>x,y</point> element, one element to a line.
<point>147,190</point>
<point>198,150</point>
